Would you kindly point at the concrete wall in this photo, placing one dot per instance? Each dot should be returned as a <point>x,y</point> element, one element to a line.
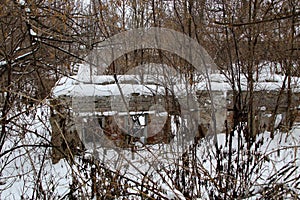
<point>265,103</point>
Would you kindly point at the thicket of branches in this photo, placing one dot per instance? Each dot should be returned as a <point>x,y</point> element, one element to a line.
<point>43,40</point>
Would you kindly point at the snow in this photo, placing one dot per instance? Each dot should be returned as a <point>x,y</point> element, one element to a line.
<point>19,177</point>
<point>23,55</point>
<point>110,90</point>
<point>20,174</point>
<point>21,2</point>
<point>3,62</point>
<point>263,108</point>
<point>32,32</point>
<point>105,85</point>
<point>104,79</point>
<point>278,119</point>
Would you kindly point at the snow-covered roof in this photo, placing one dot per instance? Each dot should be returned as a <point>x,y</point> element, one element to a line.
<point>105,85</point>
<point>152,79</point>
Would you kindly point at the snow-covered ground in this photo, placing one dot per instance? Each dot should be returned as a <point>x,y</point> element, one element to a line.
<point>28,170</point>
<point>25,161</point>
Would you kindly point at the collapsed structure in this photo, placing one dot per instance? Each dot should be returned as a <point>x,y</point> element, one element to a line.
<point>146,109</point>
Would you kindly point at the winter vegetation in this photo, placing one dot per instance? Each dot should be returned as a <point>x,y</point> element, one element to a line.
<point>245,144</point>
